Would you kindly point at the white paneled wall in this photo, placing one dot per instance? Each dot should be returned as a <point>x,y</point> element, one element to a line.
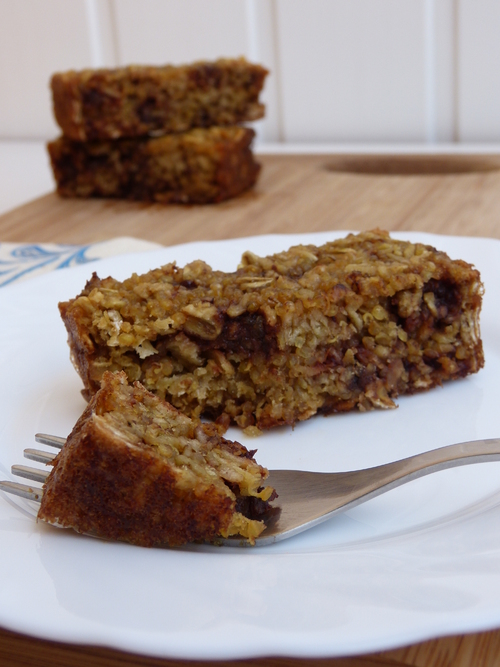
<point>422,71</point>
<point>36,38</point>
<point>361,75</point>
<point>479,70</point>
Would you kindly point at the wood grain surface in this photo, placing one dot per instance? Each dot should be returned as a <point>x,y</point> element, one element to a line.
<point>458,195</point>
<point>445,195</point>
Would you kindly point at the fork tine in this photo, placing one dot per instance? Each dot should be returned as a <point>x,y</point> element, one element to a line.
<point>23,490</point>
<point>51,440</point>
<point>39,455</point>
<point>35,474</point>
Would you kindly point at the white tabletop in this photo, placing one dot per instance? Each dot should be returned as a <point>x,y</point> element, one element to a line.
<point>24,173</point>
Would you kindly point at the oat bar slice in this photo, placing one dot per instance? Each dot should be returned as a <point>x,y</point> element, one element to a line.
<point>135,469</point>
<point>351,324</point>
<point>140,100</point>
<point>197,167</point>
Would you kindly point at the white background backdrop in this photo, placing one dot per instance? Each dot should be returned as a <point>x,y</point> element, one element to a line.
<point>421,71</point>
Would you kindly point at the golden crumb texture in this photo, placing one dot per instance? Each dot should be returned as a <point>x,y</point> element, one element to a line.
<point>137,470</point>
<point>201,166</point>
<point>141,100</point>
<point>352,324</point>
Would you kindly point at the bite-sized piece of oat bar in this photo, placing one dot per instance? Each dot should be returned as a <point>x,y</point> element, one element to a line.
<point>351,324</point>
<point>135,469</point>
<point>139,100</point>
<point>198,167</point>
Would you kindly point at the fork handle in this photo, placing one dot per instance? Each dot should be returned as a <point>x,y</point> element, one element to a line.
<point>309,498</point>
<point>374,481</point>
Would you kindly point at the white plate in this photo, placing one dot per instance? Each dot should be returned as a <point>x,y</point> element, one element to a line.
<point>418,562</point>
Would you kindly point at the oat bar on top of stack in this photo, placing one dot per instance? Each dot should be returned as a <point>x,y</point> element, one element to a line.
<point>168,134</point>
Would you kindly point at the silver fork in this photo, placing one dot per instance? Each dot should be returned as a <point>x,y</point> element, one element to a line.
<point>35,474</point>
<point>306,498</point>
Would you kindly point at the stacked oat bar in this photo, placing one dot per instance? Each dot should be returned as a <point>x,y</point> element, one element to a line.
<point>166,134</point>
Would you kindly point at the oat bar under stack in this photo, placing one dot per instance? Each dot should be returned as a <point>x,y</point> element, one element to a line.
<point>200,166</point>
<point>351,324</point>
<point>135,469</point>
<point>141,100</point>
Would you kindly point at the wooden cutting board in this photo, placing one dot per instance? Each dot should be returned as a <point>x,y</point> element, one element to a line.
<point>458,195</point>
<point>443,194</point>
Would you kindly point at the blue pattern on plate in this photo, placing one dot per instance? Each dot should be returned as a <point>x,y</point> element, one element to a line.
<point>23,259</point>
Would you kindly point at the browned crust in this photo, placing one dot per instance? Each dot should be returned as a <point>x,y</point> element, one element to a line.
<point>197,167</point>
<point>139,100</point>
<point>101,485</point>
<point>351,325</point>
<point>143,507</point>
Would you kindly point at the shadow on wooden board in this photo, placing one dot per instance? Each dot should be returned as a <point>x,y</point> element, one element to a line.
<point>413,165</point>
